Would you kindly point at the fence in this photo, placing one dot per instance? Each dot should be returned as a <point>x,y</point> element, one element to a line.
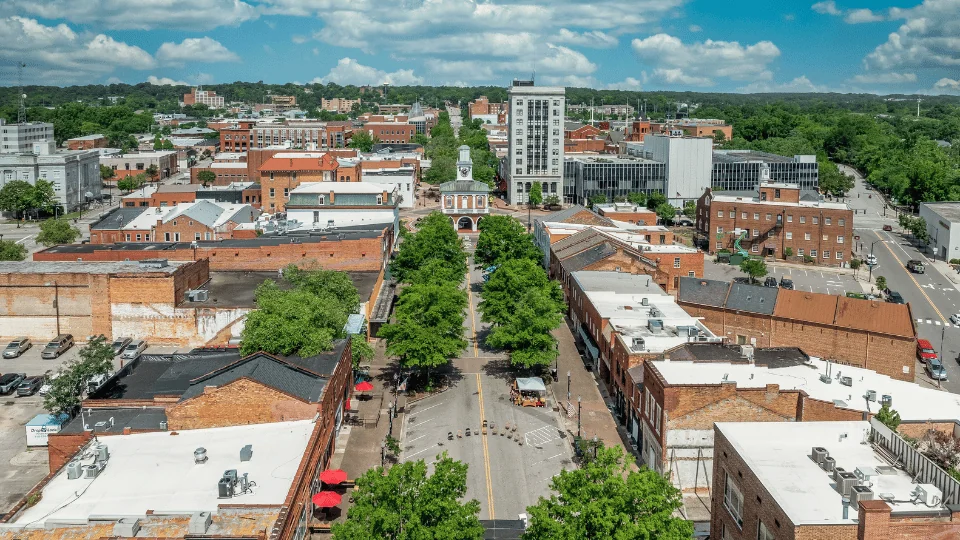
<point>920,467</point>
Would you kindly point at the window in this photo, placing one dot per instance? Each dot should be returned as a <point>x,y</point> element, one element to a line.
<point>726,534</point>
<point>825,238</point>
<point>826,254</point>
<point>743,215</point>
<point>806,236</point>
<point>789,236</point>
<point>755,248</point>
<point>676,262</point>
<point>719,245</point>
<point>206,236</point>
<point>286,193</point>
<point>769,234</point>
<point>272,192</point>
<point>756,232</point>
<point>756,215</point>
<point>519,161</point>
<point>692,273</point>
<point>800,252</point>
<point>719,230</point>
<point>128,238</point>
<point>732,214</point>
<point>320,200</point>
<point>826,221</point>
<point>138,238</point>
<point>176,237</point>
<point>813,253</point>
<point>841,222</point>
<point>733,500</point>
<point>839,255</point>
<point>839,239</point>
<point>196,236</point>
<point>816,220</point>
<point>719,213</point>
<point>789,218</point>
<point>166,237</point>
<point>379,199</point>
<point>803,219</point>
<point>763,533</point>
<point>769,216</point>
<point>776,194</point>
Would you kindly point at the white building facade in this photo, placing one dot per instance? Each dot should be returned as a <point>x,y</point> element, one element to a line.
<point>689,165</point>
<point>332,205</point>
<point>15,138</point>
<point>941,218</point>
<point>535,127</point>
<point>75,175</point>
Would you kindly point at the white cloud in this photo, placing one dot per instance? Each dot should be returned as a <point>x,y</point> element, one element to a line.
<point>789,17</point>
<point>884,78</point>
<point>799,85</point>
<point>700,63</point>
<point>695,28</point>
<point>349,71</point>
<point>629,83</point>
<point>114,80</point>
<point>203,49</point>
<point>947,86</point>
<point>857,16</point>
<point>928,37</point>
<point>164,81</point>
<point>57,55</point>
<point>594,38</point>
<point>299,40</point>
<point>316,51</point>
<point>141,14</point>
<point>826,8</point>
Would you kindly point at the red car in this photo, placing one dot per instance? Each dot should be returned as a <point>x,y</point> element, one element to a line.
<point>925,351</point>
<point>887,228</point>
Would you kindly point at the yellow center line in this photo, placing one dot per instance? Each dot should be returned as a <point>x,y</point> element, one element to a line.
<point>473,317</point>
<point>486,451</point>
<point>909,275</point>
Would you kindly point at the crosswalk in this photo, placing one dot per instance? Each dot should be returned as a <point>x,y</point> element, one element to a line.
<point>936,322</point>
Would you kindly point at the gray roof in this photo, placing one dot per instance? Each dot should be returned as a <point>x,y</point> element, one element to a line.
<point>153,375</point>
<point>704,292</point>
<point>73,267</point>
<point>464,186</point>
<point>571,126</point>
<point>114,420</point>
<point>773,357</point>
<point>204,210</point>
<point>615,136</point>
<point>561,216</point>
<point>267,370</point>
<point>616,282</point>
<point>949,211</point>
<point>118,216</point>
<point>589,256</point>
<point>752,298</point>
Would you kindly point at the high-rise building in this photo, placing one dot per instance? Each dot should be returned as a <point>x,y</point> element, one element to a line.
<point>535,129</point>
<point>203,97</point>
<point>15,138</point>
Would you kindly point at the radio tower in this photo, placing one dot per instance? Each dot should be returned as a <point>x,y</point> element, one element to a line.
<point>22,110</point>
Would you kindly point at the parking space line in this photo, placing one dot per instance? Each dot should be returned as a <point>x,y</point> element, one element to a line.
<point>425,421</point>
<point>430,407</point>
<point>417,439</point>
<point>408,456</point>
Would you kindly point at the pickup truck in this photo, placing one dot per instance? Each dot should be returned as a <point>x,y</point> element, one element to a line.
<point>915,266</point>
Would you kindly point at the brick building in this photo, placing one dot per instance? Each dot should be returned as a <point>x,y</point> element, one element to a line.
<point>124,165</point>
<point>202,219</point>
<point>482,107</point>
<point>87,142</point>
<point>694,128</point>
<point>306,135</point>
<point>203,97</point>
<point>879,336</point>
<point>819,480</point>
<point>338,105</point>
<point>226,172</point>
<point>391,132</point>
<point>283,173</point>
<point>354,250</point>
<point>258,156</point>
<point>627,212</point>
<point>777,223</point>
<point>235,136</point>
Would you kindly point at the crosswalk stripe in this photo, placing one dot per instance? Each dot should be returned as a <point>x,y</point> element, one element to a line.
<point>936,323</point>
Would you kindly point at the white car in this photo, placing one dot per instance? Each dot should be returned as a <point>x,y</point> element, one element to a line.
<point>872,260</point>
<point>955,318</point>
<point>45,389</point>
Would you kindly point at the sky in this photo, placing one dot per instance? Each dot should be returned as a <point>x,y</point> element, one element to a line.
<point>875,46</point>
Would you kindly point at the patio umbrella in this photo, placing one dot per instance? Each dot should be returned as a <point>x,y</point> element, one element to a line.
<point>326,499</point>
<point>364,386</point>
<point>333,476</point>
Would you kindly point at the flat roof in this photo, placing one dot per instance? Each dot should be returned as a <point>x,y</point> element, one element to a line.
<point>802,203</point>
<point>143,193</point>
<point>720,352</point>
<point>740,156</point>
<point>114,420</point>
<point>155,472</point>
<point>949,211</point>
<point>778,453</point>
<point>65,267</point>
<point>344,187</point>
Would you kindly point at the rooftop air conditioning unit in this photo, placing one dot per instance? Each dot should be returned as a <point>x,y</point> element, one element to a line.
<point>928,494</point>
<point>871,395</point>
<point>818,454</point>
<point>201,295</point>
<point>199,523</point>
<point>644,301</point>
<point>655,325</point>
<point>837,471</point>
<point>866,475</point>
<point>846,381</point>
<point>91,471</point>
<point>74,470</point>
<point>828,464</point>
<point>887,400</point>
<point>846,482</point>
<point>860,493</point>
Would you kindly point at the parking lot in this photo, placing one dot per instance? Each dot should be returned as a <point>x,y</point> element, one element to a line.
<point>811,279</point>
<point>508,470</point>
<point>21,468</point>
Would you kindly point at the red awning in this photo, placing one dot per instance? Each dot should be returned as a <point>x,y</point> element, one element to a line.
<point>364,386</point>
<point>326,499</point>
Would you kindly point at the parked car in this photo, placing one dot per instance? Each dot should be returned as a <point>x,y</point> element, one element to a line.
<point>925,351</point>
<point>16,347</point>
<point>95,382</point>
<point>119,344</point>
<point>915,266</point>
<point>955,318</point>
<point>684,221</point>
<point>57,346</point>
<point>786,283</point>
<point>45,387</point>
<point>770,282</point>
<point>871,260</point>
<point>10,381</point>
<point>935,370</point>
<point>894,297</point>
<point>30,385</point>
<point>133,349</point>
<point>887,228</point>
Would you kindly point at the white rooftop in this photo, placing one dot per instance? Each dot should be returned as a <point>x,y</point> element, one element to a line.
<point>913,401</point>
<point>344,187</point>
<point>143,193</point>
<point>156,471</point>
<point>228,165</point>
<point>639,240</point>
<point>805,204</point>
<point>778,453</point>
<point>556,227</point>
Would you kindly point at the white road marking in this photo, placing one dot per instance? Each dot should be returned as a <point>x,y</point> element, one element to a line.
<point>421,423</point>
<point>936,323</point>
<point>929,321</point>
<point>408,456</point>
<point>427,409</point>
<point>540,436</point>
<point>24,239</point>
<point>417,439</point>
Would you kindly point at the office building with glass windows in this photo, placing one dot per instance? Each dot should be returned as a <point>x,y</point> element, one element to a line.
<point>535,141</point>
<point>740,170</point>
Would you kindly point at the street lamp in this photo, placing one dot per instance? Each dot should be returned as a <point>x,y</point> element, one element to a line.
<point>578,416</point>
<point>568,386</point>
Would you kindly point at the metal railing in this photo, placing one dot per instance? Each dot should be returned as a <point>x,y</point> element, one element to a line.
<point>920,467</point>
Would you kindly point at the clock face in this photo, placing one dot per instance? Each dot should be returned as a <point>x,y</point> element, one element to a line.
<point>464,171</point>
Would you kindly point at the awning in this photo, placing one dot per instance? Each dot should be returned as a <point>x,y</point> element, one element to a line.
<point>531,384</point>
<point>592,351</point>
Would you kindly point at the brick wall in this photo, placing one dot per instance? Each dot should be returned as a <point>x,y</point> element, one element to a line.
<point>919,429</point>
<point>241,402</point>
<point>172,198</point>
<point>61,447</point>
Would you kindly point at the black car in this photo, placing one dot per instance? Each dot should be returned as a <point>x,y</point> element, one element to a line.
<point>786,283</point>
<point>10,381</point>
<point>894,298</point>
<point>770,282</point>
<point>30,385</point>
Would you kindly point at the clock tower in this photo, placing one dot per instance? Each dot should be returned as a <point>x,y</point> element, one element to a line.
<point>464,164</point>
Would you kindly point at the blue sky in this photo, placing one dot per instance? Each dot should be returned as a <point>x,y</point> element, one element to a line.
<point>701,45</point>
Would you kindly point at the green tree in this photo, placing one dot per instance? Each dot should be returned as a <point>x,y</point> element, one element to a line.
<point>206,177</point>
<point>888,417</point>
<point>360,350</point>
<point>508,286</point>
<point>719,137</point>
<point>362,140</point>
<point>639,199</point>
<point>755,268</point>
<point>881,283</point>
<point>43,197</point>
<point>595,199</point>
<point>331,284</point>
<point>96,358</point>
<point>12,251</point>
<point>918,228</point>
<point>690,209</point>
<point>504,238</point>
<point>535,197</point>
<point>420,139</point>
<point>855,265</point>
<point>152,171</point>
<point>57,231</point>
<point>131,183</point>
<point>655,200</point>
<point>428,325</point>
<point>106,173</point>
<point>17,197</point>
<point>552,200</point>
<point>605,499</point>
<point>666,212</point>
<point>406,502</point>
<point>157,143</point>
<point>434,239</point>
<point>526,333</point>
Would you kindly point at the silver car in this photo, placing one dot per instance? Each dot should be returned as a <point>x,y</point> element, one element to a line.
<point>16,347</point>
<point>133,349</point>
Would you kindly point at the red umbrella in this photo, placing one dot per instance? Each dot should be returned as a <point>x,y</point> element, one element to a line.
<point>364,386</point>
<point>333,476</point>
<point>326,499</point>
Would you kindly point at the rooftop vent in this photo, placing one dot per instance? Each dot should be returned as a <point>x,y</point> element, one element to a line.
<point>644,301</point>
<point>846,381</point>
<point>887,400</point>
<point>199,523</point>
<point>818,454</point>
<point>928,494</point>
<point>154,263</point>
<point>871,395</point>
<point>200,455</point>
<point>866,475</point>
<point>126,527</point>
<point>655,325</point>
<point>246,453</point>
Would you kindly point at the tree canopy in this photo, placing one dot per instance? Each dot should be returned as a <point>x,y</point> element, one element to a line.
<point>19,196</point>
<point>435,239</point>
<point>363,141</point>
<point>406,502</point>
<point>96,358</point>
<point>428,325</point>
<point>604,499</point>
<point>755,268</point>
<point>504,238</point>
<point>57,231</point>
<point>12,251</point>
